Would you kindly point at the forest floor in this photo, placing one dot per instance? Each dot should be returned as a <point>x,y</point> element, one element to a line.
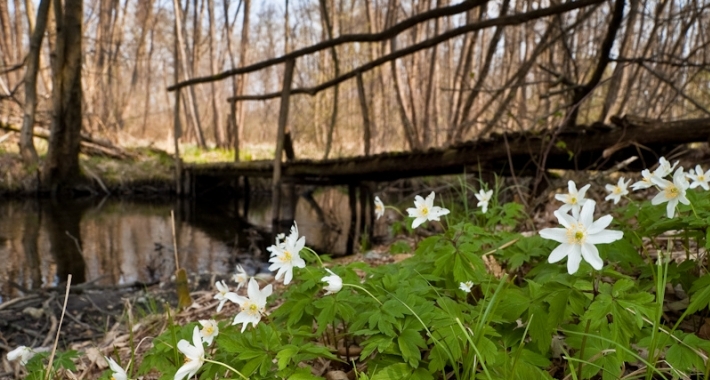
<point>101,321</point>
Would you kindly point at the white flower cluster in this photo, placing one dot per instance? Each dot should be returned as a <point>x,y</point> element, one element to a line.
<point>581,233</point>
<point>285,255</point>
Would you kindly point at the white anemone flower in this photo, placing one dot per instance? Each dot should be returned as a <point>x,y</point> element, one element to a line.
<point>466,286</point>
<point>664,168</point>
<point>335,283</point>
<point>579,237</point>
<point>241,277</point>
<point>223,294</point>
<point>288,257</point>
<point>252,307</point>
<point>483,198</point>
<point>574,199</point>
<point>671,192</point>
<point>699,177</point>
<point>617,191</point>
<point>194,356</point>
<point>118,372</point>
<point>379,208</point>
<point>23,353</point>
<point>278,244</point>
<point>645,181</point>
<point>209,330</point>
<point>424,210</point>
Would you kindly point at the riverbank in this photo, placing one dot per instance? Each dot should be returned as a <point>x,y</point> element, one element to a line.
<point>146,171</point>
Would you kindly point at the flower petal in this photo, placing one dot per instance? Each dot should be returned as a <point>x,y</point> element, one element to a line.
<point>559,253</point>
<point>670,208</point>
<point>187,349</point>
<point>573,259</point>
<point>187,370</point>
<point>603,237</point>
<point>564,218</point>
<point>557,234</point>
<point>586,217</point>
<point>430,200</point>
<point>599,225</point>
<point>659,198</point>
<point>417,222</point>
<point>590,254</point>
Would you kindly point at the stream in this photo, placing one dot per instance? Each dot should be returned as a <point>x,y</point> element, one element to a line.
<point>112,242</point>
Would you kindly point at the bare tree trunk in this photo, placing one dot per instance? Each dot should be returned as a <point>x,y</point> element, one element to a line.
<point>149,72</point>
<point>280,133</point>
<point>581,93</point>
<point>27,147</point>
<point>192,108</point>
<point>480,78</point>
<point>618,75</point>
<point>427,127</point>
<point>336,64</point>
<point>243,58</point>
<point>61,168</point>
<point>366,128</point>
<point>29,6</point>
<point>216,114</point>
<point>6,46</point>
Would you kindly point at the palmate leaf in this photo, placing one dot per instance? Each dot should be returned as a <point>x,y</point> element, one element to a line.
<point>394,371</point>
<point>683,356</point>
<point>700,295</point>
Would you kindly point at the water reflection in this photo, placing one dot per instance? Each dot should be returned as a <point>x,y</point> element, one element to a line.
<point>113,242</point>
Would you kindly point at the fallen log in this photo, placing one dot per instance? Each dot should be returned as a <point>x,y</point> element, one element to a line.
<point>89,145</point>
<point>595,147</point>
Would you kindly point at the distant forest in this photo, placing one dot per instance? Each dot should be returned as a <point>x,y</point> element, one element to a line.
<point>520,65</point>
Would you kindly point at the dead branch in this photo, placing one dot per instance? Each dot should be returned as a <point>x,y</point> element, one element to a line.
<point>347,38</point>
<point>507,20</point>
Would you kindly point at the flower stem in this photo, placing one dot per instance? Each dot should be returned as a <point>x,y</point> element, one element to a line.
<point>316,256</point>
<point>396,209</point>
<point>228,367</point>
<point>364,290</point>
<point>586,328</point>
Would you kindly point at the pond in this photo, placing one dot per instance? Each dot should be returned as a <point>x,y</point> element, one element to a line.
<point>113,242</point>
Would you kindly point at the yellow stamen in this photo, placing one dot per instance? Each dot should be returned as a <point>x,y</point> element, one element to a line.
<point>671,192</point>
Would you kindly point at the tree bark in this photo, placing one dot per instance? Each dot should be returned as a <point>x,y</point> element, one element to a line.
<point>192,108</point>
<point>336,64</point>
<point>61,168</point>
<point>216,114</point>
<point>366,127</point>
<point>27,147</point>
<point>241,85</point>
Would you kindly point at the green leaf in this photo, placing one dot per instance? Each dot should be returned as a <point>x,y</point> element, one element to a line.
<point>304,374</point>
<point>285,355</point>
<point>394,371</point>
<point>700,297</point>
<point>410,343</point>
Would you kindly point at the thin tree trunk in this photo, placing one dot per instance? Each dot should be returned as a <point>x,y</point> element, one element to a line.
<point>243,58</point>
<point>280,133</point>
<point>27,147</point>
<point>192,108</point>
<point>216,114</point>
<point>366,127</point>
<point>62,164</point>
<point>6,46</point>
<point>334,115</point>
<point>481,77</point>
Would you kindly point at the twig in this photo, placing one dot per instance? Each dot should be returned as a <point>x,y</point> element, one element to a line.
<point>96,177</point>
<point>175,247</point>
<point>59,329</point>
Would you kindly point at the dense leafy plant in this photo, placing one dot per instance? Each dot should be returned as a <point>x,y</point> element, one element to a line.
<point>478,300</point>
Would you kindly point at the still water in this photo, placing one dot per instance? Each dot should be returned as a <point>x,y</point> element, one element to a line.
<point>114,242</point>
